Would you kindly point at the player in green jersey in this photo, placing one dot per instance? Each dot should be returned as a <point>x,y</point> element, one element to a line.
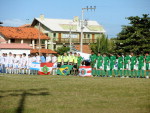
<point>112,63</point>
<point>132,64</point>
<point>106,64</point>
<point>75,61</point>
<point>120,65</point>
<point>126,65</point>
<point>140,62</point>
<point>147,61</point>
<point>99,64</point>
<point>93,62</point>
<point>79,60</point>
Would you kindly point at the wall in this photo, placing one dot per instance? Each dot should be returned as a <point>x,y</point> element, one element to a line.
<point>14,51</point>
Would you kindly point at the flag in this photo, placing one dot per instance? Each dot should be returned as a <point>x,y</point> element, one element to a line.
<point>35,66</point>
<point>85,71</point>
<point>45,68</point>
<point>64,69</point>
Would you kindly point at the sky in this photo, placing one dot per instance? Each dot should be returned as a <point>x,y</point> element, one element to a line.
<point>111,14</point>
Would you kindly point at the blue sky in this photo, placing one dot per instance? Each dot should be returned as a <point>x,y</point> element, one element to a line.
<point>110,14</point>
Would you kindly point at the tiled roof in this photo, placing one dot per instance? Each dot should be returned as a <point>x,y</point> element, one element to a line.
<point>85,48</point>
<point>43,51</point>
<point>2,40</point>
<point>66,24</point>
<point>21,33</point>
<point>15,46</point>
<point>26,25</point>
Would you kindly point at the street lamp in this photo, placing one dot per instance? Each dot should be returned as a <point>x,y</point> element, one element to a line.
<point>82,23</point>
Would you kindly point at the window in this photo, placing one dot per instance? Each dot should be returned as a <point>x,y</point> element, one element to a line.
<point>88,35</point>
<point>84,35</point>
<point>12,40</point>
<point>46,34</point>
<point>54,35</point>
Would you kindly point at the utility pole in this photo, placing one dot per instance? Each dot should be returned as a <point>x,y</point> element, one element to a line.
<point>70,33</point>
<point>82,23</point>
<point>39,38</point>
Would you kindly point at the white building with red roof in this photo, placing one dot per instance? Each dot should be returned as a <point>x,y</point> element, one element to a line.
<point>22,38</point>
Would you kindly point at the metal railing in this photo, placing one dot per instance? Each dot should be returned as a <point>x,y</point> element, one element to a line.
<point>73,40</point>
<point>36,46</point>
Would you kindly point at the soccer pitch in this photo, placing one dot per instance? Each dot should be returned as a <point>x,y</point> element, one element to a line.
<point>71,94</point>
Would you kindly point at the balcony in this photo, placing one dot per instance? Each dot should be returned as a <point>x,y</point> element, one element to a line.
<point>36,46</point>
<point>73,40</point>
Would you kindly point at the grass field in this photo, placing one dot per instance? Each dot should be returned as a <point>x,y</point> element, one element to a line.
<point>69,94</point>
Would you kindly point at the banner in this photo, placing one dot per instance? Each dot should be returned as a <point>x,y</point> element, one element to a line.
<point>45,68</point>
<point>85,71</point>
<point>35,66</point>
<point>64,70</point>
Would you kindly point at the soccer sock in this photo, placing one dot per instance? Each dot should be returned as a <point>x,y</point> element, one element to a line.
<point>142,73</point>
<point>139,73</point>
<point>110,72</point>
<point>147,73</point>
<point>36,72</point>
<point>22,71</point>
<point>131,73</point>
<point>9,71</point>
<point>26,71</point>
<point>125,72</point>
<point>17,71</point>
<point>98,72</point>
<point>14,71</point>
<point>120,73</point>
<point>116,74</point>
<point>94,72</point>
<point>135,73</point>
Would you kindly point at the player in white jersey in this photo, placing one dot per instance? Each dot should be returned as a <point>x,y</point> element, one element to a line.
<point>3,63</point>
<point>20,64</point>
<point>15,64</point>
<point>6,62</point>
<point>33,58</point>
<point>10,63</point>
<point>29,62</point>
<point>24,63</point>
<point>48,58</point>
<point>38,58</point>
<point>54,60</point>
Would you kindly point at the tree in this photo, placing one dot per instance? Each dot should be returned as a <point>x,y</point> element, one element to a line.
<point>62,50</point>
<point>102,45</point>
<point>136,36</point>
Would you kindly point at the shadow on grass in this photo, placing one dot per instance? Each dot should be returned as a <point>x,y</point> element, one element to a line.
<point>24,94</point>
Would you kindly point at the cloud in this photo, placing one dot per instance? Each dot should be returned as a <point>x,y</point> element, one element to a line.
<point>13,22</point>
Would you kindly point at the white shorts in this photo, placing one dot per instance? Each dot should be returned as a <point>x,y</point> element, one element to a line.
<point>55,65</point>
<point>10,65</point>
<point>15,65</point>
<point>6,65</point>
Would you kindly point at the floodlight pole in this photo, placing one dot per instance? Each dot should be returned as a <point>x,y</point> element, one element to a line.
<point>82,23</point>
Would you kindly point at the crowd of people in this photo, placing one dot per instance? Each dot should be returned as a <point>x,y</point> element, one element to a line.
<point>104,65</point>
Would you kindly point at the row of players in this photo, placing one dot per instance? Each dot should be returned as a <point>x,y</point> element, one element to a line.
<point>128,65</point>
<point>122,65</point>
<point>12,63</point>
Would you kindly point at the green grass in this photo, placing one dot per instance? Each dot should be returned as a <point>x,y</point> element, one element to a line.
<point>68,94</point>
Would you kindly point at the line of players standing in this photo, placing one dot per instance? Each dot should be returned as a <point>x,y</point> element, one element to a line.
<point>120,65</point>
<point>102,65</point>
<point>20,63</point>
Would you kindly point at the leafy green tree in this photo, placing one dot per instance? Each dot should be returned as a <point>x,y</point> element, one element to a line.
<point>136,36</point>
<point>102,45</point>
<point>62,50</point>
